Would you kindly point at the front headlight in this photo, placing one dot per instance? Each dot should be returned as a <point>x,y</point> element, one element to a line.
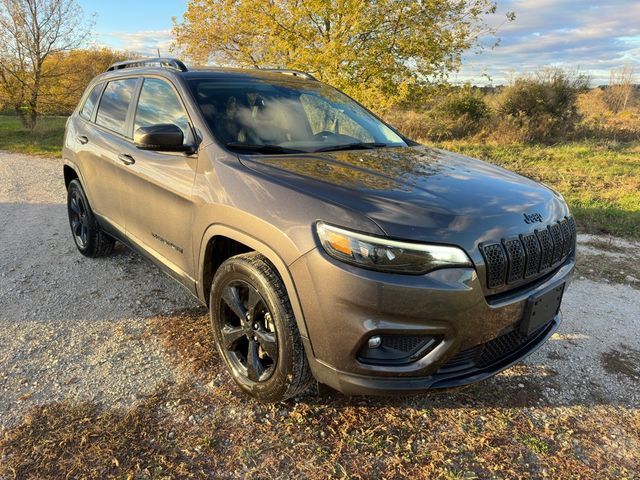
<point>385,255</point>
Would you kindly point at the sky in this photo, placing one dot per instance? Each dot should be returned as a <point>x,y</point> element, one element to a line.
<point>590,36</point>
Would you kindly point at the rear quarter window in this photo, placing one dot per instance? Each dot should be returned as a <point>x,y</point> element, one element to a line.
<point>114,104</point>
<point>90,103</point>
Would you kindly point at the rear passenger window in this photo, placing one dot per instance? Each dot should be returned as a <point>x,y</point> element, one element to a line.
<point>90,102</point>
<point>159,103</point>
<point>112,111</point>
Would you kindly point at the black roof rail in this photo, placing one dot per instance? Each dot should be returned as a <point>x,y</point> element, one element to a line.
<point>289,71</point>
<point>149,62</point>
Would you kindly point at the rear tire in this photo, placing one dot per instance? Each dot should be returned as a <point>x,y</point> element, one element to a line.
<point>255,329</point>
<point>89,238</point>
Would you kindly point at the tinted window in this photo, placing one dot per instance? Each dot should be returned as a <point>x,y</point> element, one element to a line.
<point>112,112</point>
<point>287,113</point>
<point>158,104</point>
<point>90,102</point>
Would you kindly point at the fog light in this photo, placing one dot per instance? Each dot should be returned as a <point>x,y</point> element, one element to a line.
<point>375,342</point>
<point>396,349</point>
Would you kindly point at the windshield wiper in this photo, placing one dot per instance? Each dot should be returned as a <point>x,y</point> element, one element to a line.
<point>352,146</point>
<point>267,148</point>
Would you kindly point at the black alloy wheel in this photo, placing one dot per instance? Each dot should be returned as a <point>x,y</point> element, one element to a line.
<point>249,336</point>
<point>79,219</point>
<point>87,235</point>
<point>255,330</point>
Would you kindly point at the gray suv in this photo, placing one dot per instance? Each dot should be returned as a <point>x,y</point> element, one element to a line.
<point>326,244</point>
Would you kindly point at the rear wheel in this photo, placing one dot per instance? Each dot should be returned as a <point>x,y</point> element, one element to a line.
<point>255,329</point>
<point>90,240</point>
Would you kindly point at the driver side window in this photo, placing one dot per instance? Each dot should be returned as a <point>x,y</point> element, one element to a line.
<point>324,117</point>
<point>159,103</point>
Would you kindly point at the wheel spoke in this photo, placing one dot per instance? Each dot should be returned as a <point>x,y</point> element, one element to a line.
<point>267,341</point>
<point>231,335</point>
<point>232,299</point>
<point>74,206</point>
<point>84,233</point>
<point>254,367</point>
<point>75,227</point>
<point>252,301</point>
<point>81,207</point>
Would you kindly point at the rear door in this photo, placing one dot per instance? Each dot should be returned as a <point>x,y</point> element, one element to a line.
<point>102,136</point>
<point>158,205</point>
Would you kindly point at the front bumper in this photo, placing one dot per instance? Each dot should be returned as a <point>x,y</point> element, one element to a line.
<point>344,305</point>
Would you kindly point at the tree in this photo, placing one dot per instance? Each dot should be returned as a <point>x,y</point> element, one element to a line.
<point>32,32</point>
<point>61,94</point>
<point>378,51</point>
<point>621,88</point>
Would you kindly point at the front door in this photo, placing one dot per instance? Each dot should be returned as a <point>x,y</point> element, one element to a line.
<point>158,205</point>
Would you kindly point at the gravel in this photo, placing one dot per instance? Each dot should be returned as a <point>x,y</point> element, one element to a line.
<point>73,329</point>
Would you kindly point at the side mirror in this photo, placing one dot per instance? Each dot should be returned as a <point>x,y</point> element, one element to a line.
<point>164,137</point>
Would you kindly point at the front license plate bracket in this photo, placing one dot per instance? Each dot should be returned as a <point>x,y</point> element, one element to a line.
<point>540,309</point>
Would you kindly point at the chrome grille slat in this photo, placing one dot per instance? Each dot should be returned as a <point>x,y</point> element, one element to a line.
<point>528,255</point>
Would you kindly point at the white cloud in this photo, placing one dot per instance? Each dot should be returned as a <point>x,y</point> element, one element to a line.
<point>592,36</point>
<point>144,42</point>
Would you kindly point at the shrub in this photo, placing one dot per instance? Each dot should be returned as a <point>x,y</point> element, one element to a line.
<point>452,114</point>
<point>543,107</point>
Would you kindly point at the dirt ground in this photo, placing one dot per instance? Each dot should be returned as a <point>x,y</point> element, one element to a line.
<point>102,340</point>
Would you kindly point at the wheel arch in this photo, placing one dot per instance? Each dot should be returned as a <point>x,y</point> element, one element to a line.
<point>242,242</point>
<point>69,175</point>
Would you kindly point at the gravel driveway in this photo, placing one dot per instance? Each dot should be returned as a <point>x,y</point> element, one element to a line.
<point>73,329</point>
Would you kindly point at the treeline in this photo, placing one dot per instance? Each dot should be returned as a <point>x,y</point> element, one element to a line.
<point>67,74</point>
<point>549,106</point>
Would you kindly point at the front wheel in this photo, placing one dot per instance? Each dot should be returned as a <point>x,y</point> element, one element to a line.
<point>255,330</point>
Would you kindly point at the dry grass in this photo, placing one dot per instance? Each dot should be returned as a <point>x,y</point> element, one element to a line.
<point>204,429</point>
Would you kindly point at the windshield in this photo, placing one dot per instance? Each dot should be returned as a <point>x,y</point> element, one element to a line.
<point>287,116</point>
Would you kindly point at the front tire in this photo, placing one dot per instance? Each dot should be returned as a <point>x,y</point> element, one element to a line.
<point>89,238</point>
<point>255,330</point>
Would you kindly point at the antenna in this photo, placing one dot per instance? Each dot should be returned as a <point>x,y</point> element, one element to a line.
<point>158,51</point>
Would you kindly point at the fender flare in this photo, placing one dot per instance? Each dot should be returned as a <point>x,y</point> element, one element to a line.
<point>260,247</point>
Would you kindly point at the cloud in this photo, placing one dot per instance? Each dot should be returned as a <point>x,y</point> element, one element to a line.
<point>592,36</point>
<point>143,42</point>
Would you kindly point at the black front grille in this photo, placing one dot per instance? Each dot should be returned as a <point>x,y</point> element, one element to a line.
<point>544,237</point>
<point>491,352</point>
<point>558,243</point>
<point>501,347</point>
<point>517,259</point>
<point>496,261</point>
<point>404,343</point>
<point>533,253</point>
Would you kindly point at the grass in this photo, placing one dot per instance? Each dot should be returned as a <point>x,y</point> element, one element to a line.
<point>600,181</point>
<point>204,428</point>
<point>46,139</point>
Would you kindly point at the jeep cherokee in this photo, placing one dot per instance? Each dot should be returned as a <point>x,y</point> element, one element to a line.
<point>326,244</point>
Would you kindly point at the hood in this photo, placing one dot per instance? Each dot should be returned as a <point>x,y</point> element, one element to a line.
<point>419,193</point>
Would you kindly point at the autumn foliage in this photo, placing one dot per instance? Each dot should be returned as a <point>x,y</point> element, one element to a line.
<point>379,52</point>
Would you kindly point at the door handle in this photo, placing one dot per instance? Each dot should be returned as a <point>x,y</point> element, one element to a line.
<point>82,139</point>
<point>126,159</point>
